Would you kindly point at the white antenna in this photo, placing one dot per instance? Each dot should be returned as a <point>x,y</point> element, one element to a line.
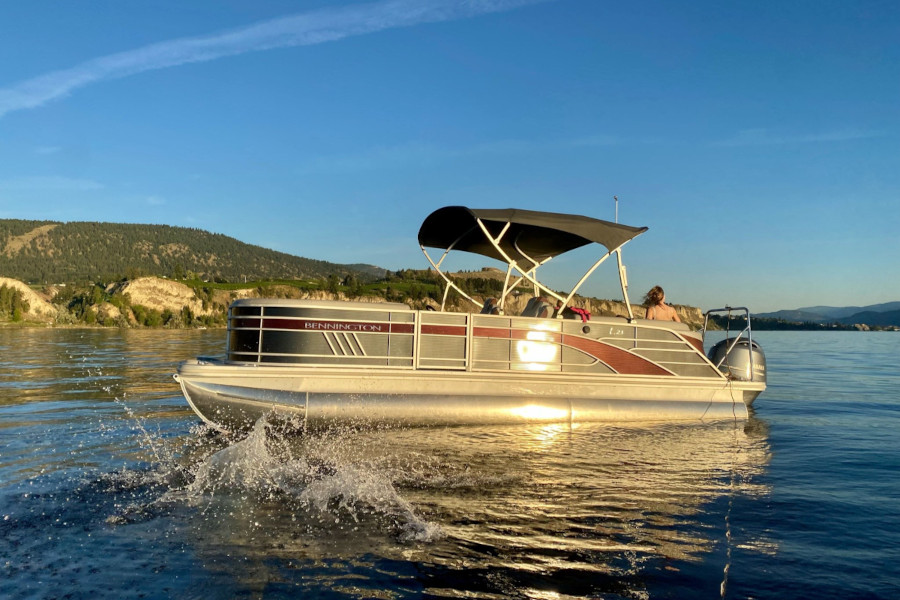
<point>616,198</point>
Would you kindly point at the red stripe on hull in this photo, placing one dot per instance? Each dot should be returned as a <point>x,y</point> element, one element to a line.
<point>698,344</point>
<point>444,330</point>
<point>323,325</point>
<point>620,360</point>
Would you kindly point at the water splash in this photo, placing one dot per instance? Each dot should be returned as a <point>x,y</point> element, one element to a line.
<point>321,479</point>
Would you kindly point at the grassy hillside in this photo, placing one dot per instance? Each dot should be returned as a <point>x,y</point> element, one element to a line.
<point>42,252</point>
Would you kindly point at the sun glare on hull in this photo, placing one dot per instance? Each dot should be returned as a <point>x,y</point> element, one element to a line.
<point>537,352</point>
<point>536,412</point>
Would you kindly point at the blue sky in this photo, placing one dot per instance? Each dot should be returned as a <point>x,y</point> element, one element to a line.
<point>759,141</point>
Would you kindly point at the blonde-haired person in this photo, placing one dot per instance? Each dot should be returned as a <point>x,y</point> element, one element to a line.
<point>655,301</point>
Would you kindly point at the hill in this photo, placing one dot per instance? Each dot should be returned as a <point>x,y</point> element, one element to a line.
<point>43,252</point>
<point>886,314</point>
<point>874,318</point>
<point>37,307</point>
<point>843,312</point>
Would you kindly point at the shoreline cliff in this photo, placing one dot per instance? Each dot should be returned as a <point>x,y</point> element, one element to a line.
<point>143,301</point>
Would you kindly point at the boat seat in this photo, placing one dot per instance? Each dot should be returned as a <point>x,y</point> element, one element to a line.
<point>536,306</point>
<point>490,307</point>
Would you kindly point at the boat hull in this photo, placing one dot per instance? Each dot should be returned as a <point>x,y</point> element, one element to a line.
<point>233,397</point>
<point>347,363</point>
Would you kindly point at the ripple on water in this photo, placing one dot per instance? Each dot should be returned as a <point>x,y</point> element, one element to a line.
<point>108,491</point>
<point>583,510</point>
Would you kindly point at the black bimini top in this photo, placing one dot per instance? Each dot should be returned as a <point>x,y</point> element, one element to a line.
<point>532,235</point>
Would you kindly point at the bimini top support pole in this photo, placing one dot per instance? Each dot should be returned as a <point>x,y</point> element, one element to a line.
<point>450,284</point>
<point>526,273</point>
<point>448,281</point>
<point>623,279</point>
<point>584,278</point>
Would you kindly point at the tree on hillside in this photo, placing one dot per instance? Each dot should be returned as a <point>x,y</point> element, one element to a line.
<point>332,283</point>
<point>12,303</point>
<point>76,250</point>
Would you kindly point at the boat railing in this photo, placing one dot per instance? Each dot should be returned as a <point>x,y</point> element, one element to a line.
<point>744,313</point>
<point>394,337</point>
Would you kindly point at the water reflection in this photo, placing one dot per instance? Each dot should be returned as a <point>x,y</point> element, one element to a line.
<point>38,365</point>
<point>486,511</point>
<point>71,398</point>
<point>101,452</point>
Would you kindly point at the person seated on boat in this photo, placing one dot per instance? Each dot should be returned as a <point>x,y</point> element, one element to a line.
<point>539,307</point>
<point>490,307</point>
<point>657,309</point>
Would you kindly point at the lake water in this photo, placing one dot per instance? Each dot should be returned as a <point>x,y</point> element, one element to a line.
<point>110,488</point>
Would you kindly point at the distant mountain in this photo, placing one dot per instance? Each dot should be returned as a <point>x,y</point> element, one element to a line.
<point>53,252</point>
<point>887,313</point>
<point>832,312</point>
<point>883,319</point>
<point>798,315</point>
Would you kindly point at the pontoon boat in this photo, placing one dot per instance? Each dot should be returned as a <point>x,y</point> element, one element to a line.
<point>346,362</point>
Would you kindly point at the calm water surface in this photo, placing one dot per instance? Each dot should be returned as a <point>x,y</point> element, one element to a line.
<point>110,488</point>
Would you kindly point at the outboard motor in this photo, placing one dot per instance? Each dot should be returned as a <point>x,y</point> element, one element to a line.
<point>735,356</point>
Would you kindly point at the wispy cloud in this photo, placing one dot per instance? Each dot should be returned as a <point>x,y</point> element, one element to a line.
<point>305,29</point>
<point>766,137</point>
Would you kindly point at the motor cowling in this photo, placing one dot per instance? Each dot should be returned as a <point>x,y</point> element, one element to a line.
<point>745,361</point>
